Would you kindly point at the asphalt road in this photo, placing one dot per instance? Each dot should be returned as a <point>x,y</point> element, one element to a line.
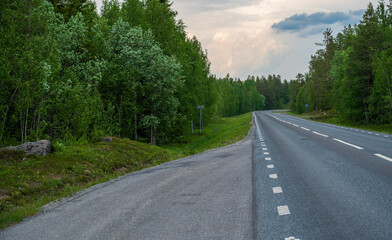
<point>320,181</point>
<point>291,179</point>
<point>207,196</point>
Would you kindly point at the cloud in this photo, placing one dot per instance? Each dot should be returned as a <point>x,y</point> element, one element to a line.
<point>213,5</point>
<point>302,22</point>
<point>243,52</point>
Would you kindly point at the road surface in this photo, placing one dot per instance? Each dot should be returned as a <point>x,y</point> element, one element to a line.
<point>291,179</point>
<point>320,181</point>
<point>207,196</point>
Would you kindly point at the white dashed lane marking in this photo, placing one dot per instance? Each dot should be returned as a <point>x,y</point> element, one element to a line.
<point>266,153</point>
<point>270,166</point>
<point>348,144</point>
<point>265,149</point>
<point>273,176</point>
<point>268,159</point>
<point>283,210</point>
<point>320,134</point>
<point>335,126</point>
<point>277,190</point>
<point>291,238</point>
<point>383,157</point>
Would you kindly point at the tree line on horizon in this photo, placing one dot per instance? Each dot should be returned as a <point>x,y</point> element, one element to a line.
<point>352,73</point>
<point>68,73</point>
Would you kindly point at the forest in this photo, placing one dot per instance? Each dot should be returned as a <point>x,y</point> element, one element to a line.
<point>70,74</point>
<point>351,74</point>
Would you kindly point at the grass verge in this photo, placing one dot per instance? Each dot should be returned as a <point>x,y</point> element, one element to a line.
<point>27,184</point>
<point>218,133</point>
<point>333,118</point>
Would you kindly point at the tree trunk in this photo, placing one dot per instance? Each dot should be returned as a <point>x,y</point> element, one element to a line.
<point>6,113</point>
<point>21,126</point>
<point>153,140</point>
<point>120,116</point>
<point>28,20</point>
<point>135,127</point>
<point>390,99</point>
<point>3,124</point>
<point>25,125</point>
<point>39,118</point>
<point>366,114</point>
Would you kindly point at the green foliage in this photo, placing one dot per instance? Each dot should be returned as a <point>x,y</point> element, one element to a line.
<point>237,97</point>
<point>220,132</point>
<point>71,74</point>
<point>275,91</point>
<point>351,75</point>
<point>146,81</point>
<point>381,96</point>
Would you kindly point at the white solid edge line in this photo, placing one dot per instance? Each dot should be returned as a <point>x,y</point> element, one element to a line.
<point>383,157</point>
<point>257,126</point>
<point>305,129</point>
<point>349,144</point>
<point>320,134</point>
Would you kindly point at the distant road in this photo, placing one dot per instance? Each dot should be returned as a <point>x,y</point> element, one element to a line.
<point>320,181</point>
<point>207,196</point>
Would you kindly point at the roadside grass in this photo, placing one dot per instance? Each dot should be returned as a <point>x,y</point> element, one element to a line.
<point>219,132</point>
<point>332,118</point>
<point>27,183</point>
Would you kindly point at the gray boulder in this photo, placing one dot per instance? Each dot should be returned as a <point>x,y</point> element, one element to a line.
<point>107,139</point>
<point>42,147</point>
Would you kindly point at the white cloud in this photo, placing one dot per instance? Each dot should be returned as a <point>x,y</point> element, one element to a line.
<point>240,40</point>
<point>243,52</point>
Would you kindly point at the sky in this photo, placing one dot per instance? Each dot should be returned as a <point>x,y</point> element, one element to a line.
<point>262,37</point>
